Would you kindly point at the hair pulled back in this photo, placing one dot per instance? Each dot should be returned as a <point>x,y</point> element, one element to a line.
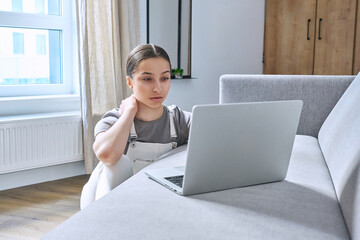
<point>141,53</point>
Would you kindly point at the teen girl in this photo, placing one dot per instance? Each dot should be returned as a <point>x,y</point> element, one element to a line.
<point>142,129</point>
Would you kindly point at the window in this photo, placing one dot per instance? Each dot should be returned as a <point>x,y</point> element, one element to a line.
<point>40,44</point>
<point>16,5</point>
<point>18,43</point>
<point>37,47</point>
<point>40,6</point>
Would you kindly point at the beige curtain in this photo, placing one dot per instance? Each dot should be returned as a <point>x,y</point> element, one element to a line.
<point>107,31</point>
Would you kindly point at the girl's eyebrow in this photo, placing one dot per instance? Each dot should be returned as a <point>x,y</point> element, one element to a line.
<point>149,73</point>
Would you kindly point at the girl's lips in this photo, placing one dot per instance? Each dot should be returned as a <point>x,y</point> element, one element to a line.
<point>156,99</point>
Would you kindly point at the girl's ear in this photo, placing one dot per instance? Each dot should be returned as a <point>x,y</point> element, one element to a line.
<point>129,82</point>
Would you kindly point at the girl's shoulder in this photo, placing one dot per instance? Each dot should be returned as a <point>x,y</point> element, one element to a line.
<point>180,116</point>
<point>176,110</point>
<point>112,113</point>
<point>107,120</point>
<point>182,123</point>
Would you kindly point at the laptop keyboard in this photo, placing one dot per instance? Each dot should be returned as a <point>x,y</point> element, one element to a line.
<point>177,180</point>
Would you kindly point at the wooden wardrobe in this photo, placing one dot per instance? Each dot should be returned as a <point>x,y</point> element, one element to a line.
<point>312,37</point>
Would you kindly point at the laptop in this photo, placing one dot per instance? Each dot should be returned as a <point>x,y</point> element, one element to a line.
<point>234,145</point>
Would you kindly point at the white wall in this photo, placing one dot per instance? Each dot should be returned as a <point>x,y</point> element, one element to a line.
<point>227,37</point>
<point>163,33</point>
<point>142,13</point>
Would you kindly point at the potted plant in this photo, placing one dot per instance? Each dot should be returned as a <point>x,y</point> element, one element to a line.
<point>177,72</point>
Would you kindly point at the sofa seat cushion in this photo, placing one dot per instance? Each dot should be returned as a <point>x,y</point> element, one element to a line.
<point>304,206</point>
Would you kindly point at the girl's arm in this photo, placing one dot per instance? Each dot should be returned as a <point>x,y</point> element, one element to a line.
<point>110,145</point>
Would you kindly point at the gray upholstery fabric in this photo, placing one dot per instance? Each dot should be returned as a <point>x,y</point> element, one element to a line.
<point>319,93</point>
<point>339,139</point>
<point>304,206</point>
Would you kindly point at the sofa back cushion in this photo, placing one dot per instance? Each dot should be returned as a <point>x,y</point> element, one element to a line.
<point>319,93</point>
<point>339,139</point>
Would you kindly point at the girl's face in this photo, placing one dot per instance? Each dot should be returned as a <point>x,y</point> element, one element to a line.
<point>151,82</point>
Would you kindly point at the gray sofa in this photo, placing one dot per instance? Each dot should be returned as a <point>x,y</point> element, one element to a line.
<point>319,199</point>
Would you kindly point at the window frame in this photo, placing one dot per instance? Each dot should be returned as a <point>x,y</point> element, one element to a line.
<point>67,26</point>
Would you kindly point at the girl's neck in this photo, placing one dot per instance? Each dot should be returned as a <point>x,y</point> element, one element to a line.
<point>147,114</point>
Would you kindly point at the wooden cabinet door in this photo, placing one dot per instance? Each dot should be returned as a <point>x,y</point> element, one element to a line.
<point>289,36</point>
<point>334,45</point>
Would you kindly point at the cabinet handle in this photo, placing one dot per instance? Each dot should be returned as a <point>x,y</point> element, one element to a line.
<point>308,37</point>
<point>320,21</point>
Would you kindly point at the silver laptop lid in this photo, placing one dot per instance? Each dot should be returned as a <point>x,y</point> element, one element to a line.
<point>239,144</point>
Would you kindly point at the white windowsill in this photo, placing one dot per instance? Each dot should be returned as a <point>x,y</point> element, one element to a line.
<point>38,116</point>
<point>13,106</point>
<point>56,98</point>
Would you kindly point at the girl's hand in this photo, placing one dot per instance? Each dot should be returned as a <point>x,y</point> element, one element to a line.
<point>129,104</point>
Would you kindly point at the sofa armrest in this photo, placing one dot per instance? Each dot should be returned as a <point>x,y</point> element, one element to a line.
<point>319,93</point>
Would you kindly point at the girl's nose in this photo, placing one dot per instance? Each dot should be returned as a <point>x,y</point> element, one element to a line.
<point>157,87</point>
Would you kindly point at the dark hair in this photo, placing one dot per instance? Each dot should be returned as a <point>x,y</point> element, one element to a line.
<point>143,52</point>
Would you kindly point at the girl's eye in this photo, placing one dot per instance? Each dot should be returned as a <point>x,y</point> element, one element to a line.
<point>165,78</point>
<point>147,79</point>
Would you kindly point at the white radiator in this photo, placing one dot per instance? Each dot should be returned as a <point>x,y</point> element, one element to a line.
<point>39,140</point>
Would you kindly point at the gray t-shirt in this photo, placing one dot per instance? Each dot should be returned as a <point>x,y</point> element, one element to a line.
<point>157,131</point>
